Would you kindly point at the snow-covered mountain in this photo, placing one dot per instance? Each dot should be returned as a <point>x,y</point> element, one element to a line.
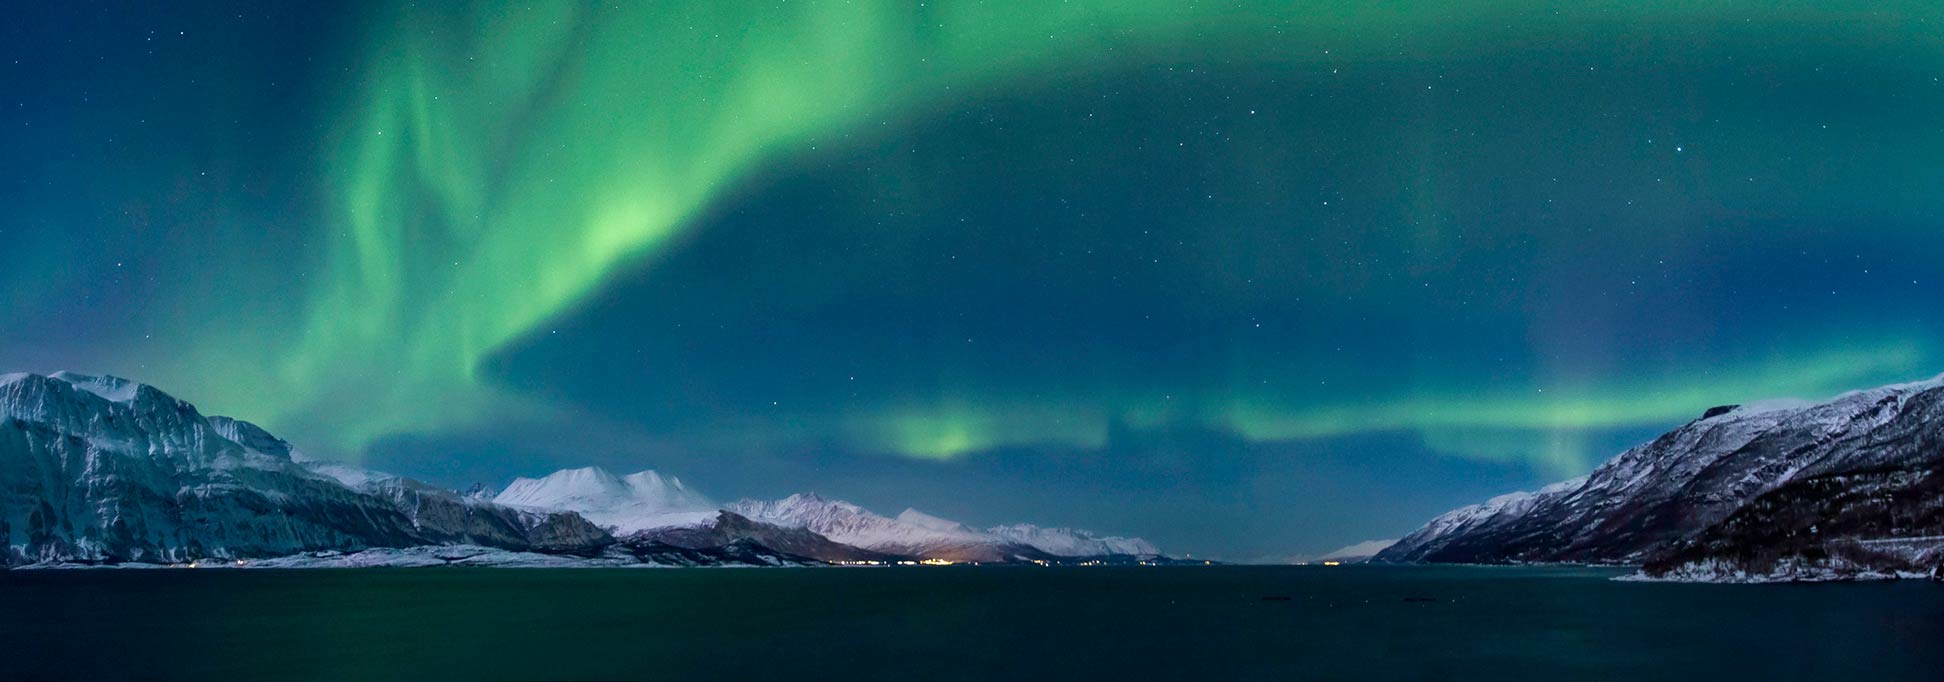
<point>622,504</point>
<point>106,470</point>
<point>911,534</point>
<point>102,470</point>
<point>728,528</point>
<point>915,533</point>
<point>1071,542</point>
<point>1779,488</point>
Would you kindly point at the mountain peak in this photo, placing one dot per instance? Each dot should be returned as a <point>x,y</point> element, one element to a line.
<point>929,522</point>
<point>640,500</point>
<point>586,473</point>
<point>1718,411</point>
<point>650,479</point>
<point>1708,480</point>
<point>814,501</point>
<point>254,437</point>
<point>1071,541</point>
<point>163,483</point>
<point>112,388</point>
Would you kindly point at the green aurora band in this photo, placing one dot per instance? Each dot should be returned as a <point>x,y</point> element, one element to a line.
<point>503,160</point>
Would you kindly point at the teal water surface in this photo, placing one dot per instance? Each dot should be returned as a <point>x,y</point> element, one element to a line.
<point>955,623</point>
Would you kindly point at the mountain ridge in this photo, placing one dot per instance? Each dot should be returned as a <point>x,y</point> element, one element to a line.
<point>97,469</point>
<point>1734,496</point>
<point>102,470</point>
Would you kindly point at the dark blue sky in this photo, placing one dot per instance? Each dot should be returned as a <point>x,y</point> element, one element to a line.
<point>1242,279</point>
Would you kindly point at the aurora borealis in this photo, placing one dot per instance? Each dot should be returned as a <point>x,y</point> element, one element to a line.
<point>1303,272</point>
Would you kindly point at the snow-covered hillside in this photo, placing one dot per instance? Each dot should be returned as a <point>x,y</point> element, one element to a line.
<point>916,533</point>
<point>1071,542</point>
<point>1742,489</point>
<point>622,504</point>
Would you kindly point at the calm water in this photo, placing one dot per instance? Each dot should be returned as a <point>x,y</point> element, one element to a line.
<point>955,623</point>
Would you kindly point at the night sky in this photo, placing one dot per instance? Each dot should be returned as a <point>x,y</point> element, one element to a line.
<point>1244,278</point>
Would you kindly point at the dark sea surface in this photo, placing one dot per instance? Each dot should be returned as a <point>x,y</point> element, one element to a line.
<point>955,623</point>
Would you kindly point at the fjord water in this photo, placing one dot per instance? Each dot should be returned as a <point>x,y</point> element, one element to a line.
<point>1228,623</point>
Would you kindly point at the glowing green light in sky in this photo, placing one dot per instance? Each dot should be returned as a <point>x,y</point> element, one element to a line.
<point>500,160</point>
<point>507,157</point>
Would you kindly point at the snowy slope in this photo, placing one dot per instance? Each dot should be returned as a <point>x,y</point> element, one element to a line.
<point>623,504</point>
<point>915,533</point>
<point>911,534</point>
<point>1730,464</point>
<point>1069,542</point>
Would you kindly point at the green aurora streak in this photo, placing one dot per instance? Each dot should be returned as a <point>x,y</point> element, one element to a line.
<point>504,159</point>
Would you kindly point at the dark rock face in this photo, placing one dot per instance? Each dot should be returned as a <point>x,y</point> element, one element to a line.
<point>1849,484</point>
<point>446,517</point>
<point>738,553</point>
<point>1826,526</point>
<point>101,470</point>
<point>730,528</point>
